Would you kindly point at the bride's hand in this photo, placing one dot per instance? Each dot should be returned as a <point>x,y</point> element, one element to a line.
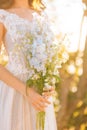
<point>38,101</point>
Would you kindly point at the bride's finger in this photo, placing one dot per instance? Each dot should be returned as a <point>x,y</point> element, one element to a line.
<point>44,100</point>
<point>39,100</point>
<point>38,107</point>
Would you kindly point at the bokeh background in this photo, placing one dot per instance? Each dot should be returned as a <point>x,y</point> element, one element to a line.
<point>69,20</point>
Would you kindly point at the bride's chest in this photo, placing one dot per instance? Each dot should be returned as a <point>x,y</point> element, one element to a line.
<point>19,28</point>
<point>20,32</point>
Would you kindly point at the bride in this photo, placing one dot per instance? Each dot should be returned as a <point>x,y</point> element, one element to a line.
<point>18,110</point>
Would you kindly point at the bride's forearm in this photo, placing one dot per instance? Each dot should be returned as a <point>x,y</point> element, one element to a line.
<point>12,81</point>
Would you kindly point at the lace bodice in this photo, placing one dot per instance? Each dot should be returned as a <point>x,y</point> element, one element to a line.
<point>20,33</point>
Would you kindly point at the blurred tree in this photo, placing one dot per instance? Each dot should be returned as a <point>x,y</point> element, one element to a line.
<point>82,85</point>
<point>68,99</point>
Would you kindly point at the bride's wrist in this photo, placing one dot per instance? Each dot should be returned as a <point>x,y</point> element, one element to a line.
<point>23,89</point>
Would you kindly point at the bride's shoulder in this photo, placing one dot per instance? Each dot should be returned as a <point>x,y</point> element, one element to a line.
<point>3,21</point>
<point>3,14</point>
<point>46,18</point>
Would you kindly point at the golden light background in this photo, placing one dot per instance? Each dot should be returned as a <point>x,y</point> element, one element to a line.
<point>69,18</point>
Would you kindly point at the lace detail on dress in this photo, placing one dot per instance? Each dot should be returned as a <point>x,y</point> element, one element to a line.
<point>20,35</point>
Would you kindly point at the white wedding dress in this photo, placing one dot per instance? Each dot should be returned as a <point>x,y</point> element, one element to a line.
<point>15,112</point>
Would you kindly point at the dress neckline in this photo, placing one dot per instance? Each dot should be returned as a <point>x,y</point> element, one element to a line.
<point>19,17</point>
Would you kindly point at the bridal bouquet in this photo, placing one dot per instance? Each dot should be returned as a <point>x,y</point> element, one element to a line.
<point>43,61</point>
